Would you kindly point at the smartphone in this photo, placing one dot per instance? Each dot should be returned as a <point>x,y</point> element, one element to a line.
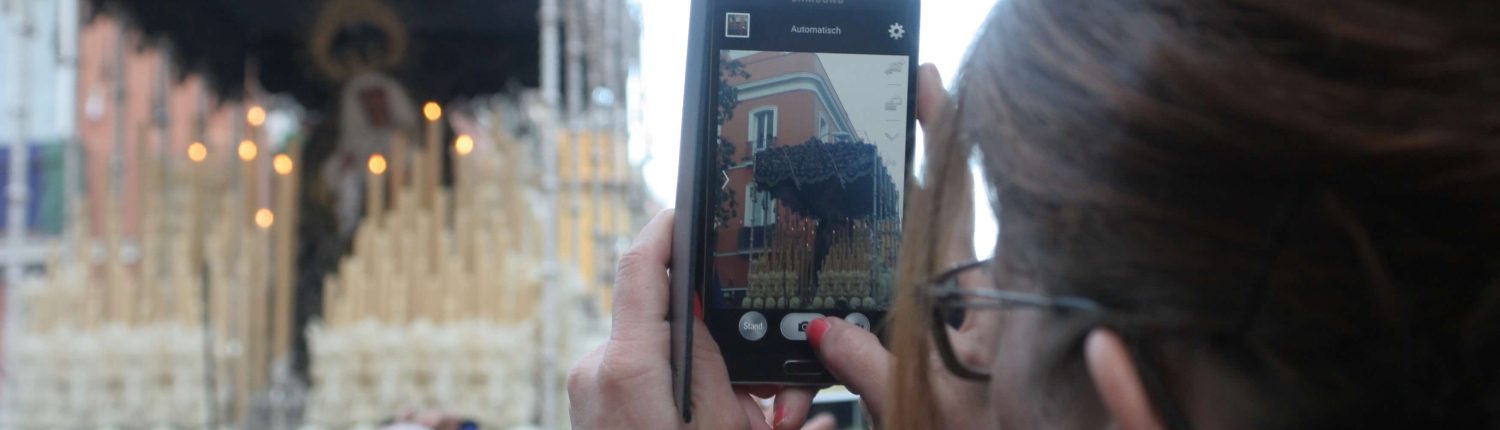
<point>798,127</point>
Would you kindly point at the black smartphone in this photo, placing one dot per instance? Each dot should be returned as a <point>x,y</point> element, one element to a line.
<point>798,127</point>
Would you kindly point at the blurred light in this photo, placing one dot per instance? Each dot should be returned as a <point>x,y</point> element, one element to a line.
<point>377,164</point>
<point>282,163</point>
<point>247,150</point>
<point>264,218</point>
<point>432,111</point>
<point>603,96</point>
<point>464,145</point>
<point>197,152</point>
<point>256,115</point>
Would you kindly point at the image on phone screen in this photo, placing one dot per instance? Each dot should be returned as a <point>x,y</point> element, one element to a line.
<point>810,153</point>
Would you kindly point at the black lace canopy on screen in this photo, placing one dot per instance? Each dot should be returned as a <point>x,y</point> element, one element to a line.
<point>829,180</point>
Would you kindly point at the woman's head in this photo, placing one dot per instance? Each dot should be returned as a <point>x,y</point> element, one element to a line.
<point>1291,207</point>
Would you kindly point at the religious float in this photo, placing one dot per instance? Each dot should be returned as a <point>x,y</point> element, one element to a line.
<point>252,248</point>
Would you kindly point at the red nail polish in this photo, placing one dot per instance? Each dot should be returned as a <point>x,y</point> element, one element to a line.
<point>780,413</point>
<point>815,331</point>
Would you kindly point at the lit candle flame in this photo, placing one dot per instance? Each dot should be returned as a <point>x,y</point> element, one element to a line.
<point>197,152</point>
<point>256,116</point>
<point>283,164</point>
<point>264,218</point>
<point>247,150</point>
<point>377,164</point>
<point>432,111</point>
<point>464,145</point>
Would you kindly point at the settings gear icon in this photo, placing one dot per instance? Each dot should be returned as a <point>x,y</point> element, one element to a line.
<point>896,31</point>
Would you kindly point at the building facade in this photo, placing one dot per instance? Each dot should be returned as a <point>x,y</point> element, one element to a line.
<point>786,100</point>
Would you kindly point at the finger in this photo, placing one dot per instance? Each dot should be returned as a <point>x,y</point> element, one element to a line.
<point>709,370</point>
<point>791,406</point>
<point>933,100</point>
<point>640,301</point>
<point>583,370</point>
<point>823,421</point>
<point>763,391</point>
<point>753,414</point>
<point>429,419</point>
<point>581,376</point>
<point>712,393</point>
<point>857,359</point>
<point>934,108</point>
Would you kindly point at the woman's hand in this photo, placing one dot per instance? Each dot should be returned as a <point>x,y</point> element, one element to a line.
<point>627,382</point>
<point>854,355</point>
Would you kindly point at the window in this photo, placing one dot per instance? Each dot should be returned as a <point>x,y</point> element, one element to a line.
<point>822,126</point>
<point>763,128</point>
<point>760,207</point>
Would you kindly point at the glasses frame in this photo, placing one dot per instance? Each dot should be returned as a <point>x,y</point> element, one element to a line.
<point>943,290</point>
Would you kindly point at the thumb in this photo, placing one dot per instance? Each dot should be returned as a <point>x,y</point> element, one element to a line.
<point>823,421</point>
<point>854,356</point>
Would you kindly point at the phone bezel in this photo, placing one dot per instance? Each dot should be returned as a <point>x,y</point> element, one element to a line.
<point>746,360</point>
<point>686,234</point>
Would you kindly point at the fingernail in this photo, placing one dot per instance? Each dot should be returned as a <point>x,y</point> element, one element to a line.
<point>780,413</point>
<point>698,307</point>
<point>815,331</point>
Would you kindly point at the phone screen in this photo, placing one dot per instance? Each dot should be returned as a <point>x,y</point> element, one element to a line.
<point>809,139</point>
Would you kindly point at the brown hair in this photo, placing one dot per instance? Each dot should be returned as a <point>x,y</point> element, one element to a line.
<point>1303,196</point>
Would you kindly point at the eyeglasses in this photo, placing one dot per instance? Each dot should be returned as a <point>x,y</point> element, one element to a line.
<point>967,340</point>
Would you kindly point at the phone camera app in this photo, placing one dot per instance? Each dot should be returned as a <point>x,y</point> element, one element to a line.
<point>809,157</point>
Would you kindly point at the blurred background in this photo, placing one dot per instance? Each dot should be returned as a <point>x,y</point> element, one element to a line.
<point>332,214</point>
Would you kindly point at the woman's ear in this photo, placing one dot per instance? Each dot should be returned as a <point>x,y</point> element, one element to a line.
<point>1119,382</point>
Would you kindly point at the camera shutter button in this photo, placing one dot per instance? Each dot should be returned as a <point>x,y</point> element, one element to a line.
<point>794,326</point>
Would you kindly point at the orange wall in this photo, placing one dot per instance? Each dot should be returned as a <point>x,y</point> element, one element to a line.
<point>796,123</point>
<point>796,120</point>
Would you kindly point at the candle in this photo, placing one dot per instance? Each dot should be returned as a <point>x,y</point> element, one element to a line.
<point>413,256</point>
<point>259,334</point>
<point>462,147</point>
<point>452,267</point>
<point>113,288</point>
<point>512,242</point>
<point>187,294</point>
<point>393,293</point>
<point>285,253</point>
<point>418,178</point>
<point>398,166</point>
<point>439,230</point>
<point>218,250</point>
<point>351,292</point>
<point>255,116</point>
<point>433,112</point>
<point>374,188</point>
<point>247,152</point>
<point>197,153</point>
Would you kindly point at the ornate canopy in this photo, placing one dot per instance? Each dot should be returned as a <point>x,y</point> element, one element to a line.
<point>829,181</point>
<point>451,49</point>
